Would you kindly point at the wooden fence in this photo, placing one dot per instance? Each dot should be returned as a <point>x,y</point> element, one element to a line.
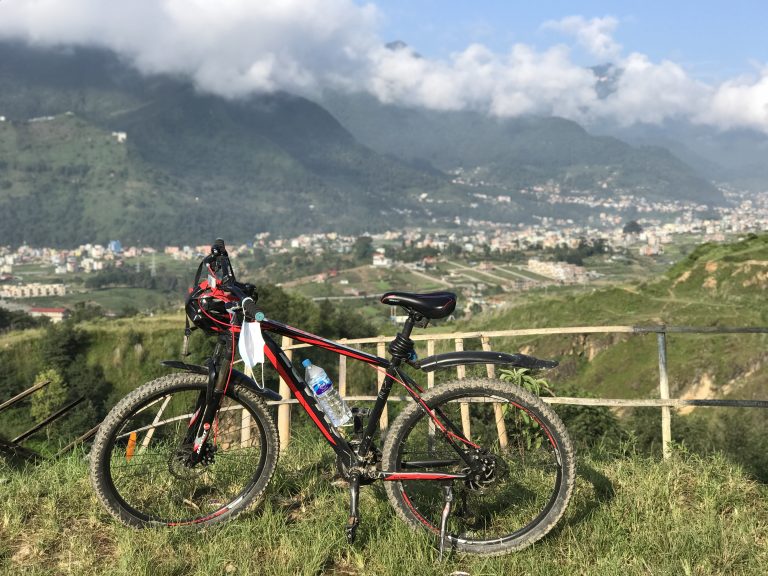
<point>14,450</point>
<point>663,402</point>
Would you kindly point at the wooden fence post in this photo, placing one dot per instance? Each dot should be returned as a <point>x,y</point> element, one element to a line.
<point>381,350</point>
<point>461,373</point>
<point>151,431</point>
<point>430,384</point>
<point>343,373</point>
<point>498,412</point>
<point>284,410</point>
<point>430,352</point>
<point>666,411</point>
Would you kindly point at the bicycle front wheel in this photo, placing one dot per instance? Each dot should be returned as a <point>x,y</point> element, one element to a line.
<point>139,460</point>
<point>526,451</point>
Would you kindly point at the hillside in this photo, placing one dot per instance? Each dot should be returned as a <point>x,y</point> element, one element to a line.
<point>195,163</point>
<point>520,152</point>
<point>62,179</point>
<point>735,156</point>
<point>716,285</point>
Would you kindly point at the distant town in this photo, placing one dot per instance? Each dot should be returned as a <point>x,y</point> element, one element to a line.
<point>648,235</point>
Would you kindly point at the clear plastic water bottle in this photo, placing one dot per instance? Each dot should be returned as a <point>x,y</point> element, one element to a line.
<point>327,396</point>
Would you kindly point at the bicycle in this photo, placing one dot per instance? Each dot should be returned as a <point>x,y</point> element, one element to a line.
<point>483,465</point>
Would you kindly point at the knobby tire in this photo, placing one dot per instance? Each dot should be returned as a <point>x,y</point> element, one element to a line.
<point>533,471</point>
<point>137,467</point>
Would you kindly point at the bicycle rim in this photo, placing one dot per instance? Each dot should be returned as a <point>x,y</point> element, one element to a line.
<point>146,464</point>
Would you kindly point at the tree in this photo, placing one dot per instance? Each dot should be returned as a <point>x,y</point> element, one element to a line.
<point>61,344</point>
<point>362,250</point>
<point>632,227</point>
<point>46,401</point>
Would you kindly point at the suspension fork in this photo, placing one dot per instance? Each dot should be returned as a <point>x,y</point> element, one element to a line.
<point>219,369</point>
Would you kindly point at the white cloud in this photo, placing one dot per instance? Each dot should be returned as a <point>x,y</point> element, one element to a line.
<point>595,35</point>
<point>522,82</point>
<point>237,47</point>
<point>648,92</point>
<point>742,102</point>
<point>230,47</point>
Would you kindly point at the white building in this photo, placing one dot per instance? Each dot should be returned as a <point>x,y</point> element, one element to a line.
<point>32,290</point>
<point>560,271</point>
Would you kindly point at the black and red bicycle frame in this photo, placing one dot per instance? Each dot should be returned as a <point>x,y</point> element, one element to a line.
<point>221,374</point>
<point>358,456</point>
<point>340,445</point>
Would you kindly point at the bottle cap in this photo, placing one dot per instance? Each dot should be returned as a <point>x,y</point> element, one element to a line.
<point>306,363</point>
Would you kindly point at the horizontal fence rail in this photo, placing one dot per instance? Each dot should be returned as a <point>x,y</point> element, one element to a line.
<point>664,402</point>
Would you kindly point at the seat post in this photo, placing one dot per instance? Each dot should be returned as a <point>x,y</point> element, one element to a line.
<point>408,326</point>
<point>401,347</point>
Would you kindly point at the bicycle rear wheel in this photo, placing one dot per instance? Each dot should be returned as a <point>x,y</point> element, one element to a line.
<point>138,460</point>
<point>527,452</point>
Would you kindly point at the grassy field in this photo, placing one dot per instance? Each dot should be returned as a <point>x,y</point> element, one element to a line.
<point>113,299</point>
<point>365,280</point>
<point>630,515</point>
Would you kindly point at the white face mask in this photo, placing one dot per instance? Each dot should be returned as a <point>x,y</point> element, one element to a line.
<point>251,345</point>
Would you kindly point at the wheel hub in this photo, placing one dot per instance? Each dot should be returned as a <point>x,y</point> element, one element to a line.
<point>184,463</point>
<point>489,469</point>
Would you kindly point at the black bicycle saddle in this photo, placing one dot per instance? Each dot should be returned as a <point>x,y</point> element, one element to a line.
<point>433,305</point>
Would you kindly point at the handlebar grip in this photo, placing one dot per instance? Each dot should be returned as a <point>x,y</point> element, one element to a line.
<point>218,248</point>
<point>250,311</point>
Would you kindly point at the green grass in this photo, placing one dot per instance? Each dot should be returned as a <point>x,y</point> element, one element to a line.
<point>628,516</point>
<point>113,299</point>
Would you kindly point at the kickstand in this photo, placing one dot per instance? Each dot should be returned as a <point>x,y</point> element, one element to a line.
<point>448,499</point>
<point>354,512</point>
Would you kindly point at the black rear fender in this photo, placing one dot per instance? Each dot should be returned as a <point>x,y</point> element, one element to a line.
<point>453,359</point>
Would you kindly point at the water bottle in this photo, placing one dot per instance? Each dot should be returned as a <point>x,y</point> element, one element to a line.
<point>327,397</point>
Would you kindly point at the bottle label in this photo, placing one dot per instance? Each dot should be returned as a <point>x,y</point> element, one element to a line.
<point>321,386</point>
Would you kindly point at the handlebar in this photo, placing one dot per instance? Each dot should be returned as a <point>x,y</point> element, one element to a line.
<point>245,293</point>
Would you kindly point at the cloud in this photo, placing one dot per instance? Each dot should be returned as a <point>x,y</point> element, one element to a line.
<point>651,93</point>
<point>595,35</point>
<point>742,102</point>
<point>523,81</point>
<point>229,47</point>
<point>237,47</point>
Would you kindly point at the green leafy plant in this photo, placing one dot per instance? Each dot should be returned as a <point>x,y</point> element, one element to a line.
<point>528,434</point>
<point>524,378</point>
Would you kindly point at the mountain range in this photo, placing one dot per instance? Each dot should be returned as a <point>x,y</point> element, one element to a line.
<point>191,165</point>
<point>520,152</point>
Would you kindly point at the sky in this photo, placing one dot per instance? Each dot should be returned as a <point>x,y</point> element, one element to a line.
<point>704,62</point>
<point>713,40</point>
